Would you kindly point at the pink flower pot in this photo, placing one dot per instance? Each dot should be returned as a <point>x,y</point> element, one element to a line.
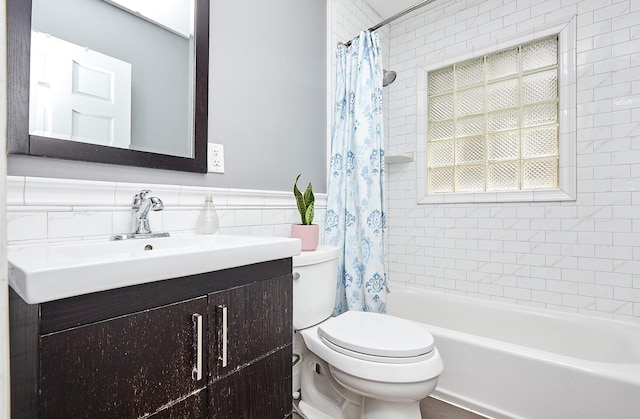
<point>308,234</point>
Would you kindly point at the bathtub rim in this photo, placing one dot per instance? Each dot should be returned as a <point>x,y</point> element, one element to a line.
<point>626,372</point>
<point>511,306</point>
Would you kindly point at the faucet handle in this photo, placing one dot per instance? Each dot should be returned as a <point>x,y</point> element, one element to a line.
<point>140,197</point>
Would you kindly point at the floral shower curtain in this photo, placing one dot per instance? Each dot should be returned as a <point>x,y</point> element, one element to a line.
<point>355,217</point>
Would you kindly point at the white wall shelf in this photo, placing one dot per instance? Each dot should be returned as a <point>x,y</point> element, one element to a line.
<point>398,158</point>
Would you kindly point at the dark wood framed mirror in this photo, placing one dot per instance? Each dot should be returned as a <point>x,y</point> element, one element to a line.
<point>19,141</point>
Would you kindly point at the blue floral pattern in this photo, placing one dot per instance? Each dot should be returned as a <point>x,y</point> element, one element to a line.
<point>355,220</point>
<point>377,222</point>
<point>336,164</point>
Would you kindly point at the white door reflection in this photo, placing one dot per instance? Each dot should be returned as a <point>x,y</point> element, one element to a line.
<point>79,94</point>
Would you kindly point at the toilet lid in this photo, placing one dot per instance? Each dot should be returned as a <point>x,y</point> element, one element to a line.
<point>377,334</point>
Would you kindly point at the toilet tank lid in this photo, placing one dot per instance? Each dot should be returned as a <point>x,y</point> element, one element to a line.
<point>321,254</point>
<point>377,334</point>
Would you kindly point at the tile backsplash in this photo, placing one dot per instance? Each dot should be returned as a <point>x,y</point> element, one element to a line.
<point>44,210</point>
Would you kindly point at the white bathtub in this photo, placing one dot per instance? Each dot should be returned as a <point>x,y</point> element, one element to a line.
<point>507,361</point>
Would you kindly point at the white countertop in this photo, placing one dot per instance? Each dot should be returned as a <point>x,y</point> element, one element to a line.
<point>47,272</point>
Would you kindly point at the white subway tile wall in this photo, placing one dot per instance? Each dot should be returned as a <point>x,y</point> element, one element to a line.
<point>48,210</point>
<point>581,256</point>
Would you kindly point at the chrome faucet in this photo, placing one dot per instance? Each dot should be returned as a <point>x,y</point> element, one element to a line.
<point>140,208</point>
<point>140,211</point>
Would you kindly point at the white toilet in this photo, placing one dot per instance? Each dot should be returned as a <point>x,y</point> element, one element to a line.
<point>359,364</point>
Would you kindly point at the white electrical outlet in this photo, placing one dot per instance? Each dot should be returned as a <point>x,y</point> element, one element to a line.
<point>215,158</point>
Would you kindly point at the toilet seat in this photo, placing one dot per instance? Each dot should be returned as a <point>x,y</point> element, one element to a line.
<point>419,370</point>
<point>373,358</point>
<point>377,337</point>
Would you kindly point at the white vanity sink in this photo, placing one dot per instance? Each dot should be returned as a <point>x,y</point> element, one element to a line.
<point>40,273</point>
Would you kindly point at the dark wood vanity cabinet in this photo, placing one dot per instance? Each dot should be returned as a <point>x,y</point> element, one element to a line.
<point>131,352</point>
<point>125,367</point>
<point>248,380</point>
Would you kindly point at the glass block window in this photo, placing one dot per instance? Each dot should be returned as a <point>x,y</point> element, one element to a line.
<point>493,122</point>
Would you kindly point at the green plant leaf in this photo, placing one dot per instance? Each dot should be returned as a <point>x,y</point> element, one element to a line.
<point>302,208</point>
<point>310,213</point>
<point>309,202</point>
<point>305,202</point>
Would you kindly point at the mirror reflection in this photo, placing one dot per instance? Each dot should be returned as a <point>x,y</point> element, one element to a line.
<point>114,72</point>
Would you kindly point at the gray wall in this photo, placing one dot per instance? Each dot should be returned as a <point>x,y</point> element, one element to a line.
<point>268,93</point>
<point>158,58</point>
<point>266,106</point>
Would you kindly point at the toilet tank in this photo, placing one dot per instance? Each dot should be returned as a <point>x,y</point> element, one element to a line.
<point>314,286</point>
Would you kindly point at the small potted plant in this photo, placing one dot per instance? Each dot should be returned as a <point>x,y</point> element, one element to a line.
<point>307,232</point>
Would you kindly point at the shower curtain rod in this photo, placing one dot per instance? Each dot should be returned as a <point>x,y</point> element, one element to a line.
<point>394,17</point>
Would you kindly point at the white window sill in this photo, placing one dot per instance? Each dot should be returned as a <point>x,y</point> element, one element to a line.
<point>492,197</point>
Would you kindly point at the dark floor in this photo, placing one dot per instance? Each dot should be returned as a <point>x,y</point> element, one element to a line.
<point>436,409</point>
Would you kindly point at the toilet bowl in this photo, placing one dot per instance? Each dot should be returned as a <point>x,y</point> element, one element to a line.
<point>358,365</point>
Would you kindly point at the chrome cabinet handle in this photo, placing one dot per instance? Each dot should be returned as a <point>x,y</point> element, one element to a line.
<point>296,275</point>
<point>196,373</point>
<point>223,351</point>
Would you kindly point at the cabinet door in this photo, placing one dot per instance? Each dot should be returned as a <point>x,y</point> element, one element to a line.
<point>258,321</point>
<point>127,367</point>
<point>261,390</point>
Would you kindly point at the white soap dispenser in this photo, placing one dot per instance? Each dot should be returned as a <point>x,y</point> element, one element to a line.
<point>208,218</point>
